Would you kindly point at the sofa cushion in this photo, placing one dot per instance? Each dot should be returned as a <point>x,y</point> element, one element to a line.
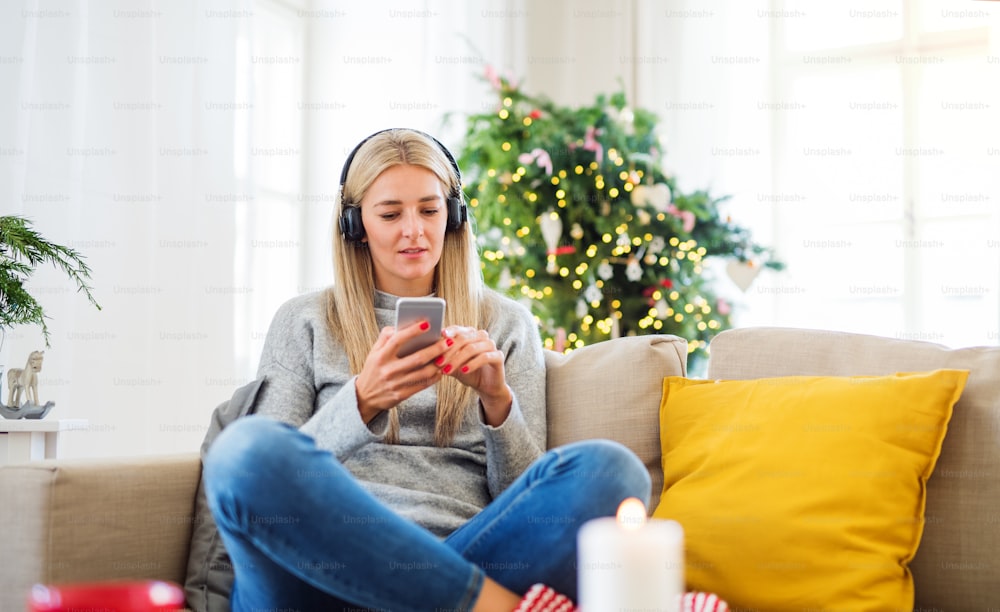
<point>611,390</point>
<point>955,567</point>
<point>803,492</point>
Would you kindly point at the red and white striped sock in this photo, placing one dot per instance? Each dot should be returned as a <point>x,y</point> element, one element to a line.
<point>693,601</point>
<point>541,598</point>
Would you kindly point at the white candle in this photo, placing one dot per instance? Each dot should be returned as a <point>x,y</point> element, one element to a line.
<point>630,563</point>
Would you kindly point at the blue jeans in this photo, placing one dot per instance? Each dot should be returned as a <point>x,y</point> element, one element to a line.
<point>302,534</point>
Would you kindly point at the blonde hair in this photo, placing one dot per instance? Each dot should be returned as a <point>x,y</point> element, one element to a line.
<point>457,278</point>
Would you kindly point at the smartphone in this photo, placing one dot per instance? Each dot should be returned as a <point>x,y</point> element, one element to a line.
<point>411,310</point>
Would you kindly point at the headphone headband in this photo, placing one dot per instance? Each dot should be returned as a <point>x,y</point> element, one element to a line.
<point>350,216</point>
<point>444,149</point>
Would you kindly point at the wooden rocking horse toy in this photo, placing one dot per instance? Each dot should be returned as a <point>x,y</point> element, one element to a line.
<point>25,379</point>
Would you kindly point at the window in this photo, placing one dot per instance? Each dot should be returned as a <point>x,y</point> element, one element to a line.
<point>885,163</point>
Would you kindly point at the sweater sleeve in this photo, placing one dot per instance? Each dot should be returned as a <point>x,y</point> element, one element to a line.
<point>298,343</point>
<point>513,445</point>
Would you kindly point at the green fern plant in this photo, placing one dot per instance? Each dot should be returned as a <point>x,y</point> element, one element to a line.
<point>22,250</point>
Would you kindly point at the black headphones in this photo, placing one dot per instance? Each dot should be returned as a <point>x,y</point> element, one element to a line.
<point>351,227</point>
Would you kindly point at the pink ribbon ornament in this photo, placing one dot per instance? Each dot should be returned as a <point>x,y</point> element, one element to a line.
<point>686,216</point>
<point>496,82</point>
<point>493,77</point>
<point>538,156</point>
<point>590,144</point>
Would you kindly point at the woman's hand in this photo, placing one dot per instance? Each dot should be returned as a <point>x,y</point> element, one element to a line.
<point>386,379</point>
<point>473,358</point>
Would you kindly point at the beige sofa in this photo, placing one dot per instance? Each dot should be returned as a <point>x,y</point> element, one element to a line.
<point>80,520</point>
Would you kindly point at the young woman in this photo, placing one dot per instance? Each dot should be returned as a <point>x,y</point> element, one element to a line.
<point>406,483</point>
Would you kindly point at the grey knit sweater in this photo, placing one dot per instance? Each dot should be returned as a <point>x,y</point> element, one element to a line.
<point>311,387</point>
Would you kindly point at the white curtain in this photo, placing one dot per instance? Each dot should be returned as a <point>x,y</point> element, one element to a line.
<point>117,141</point>
<point>191,152</point>
<point>703,69</point>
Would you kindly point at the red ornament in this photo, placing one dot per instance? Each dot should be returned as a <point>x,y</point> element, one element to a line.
<point>535,114</point>
<point>667,283</point>
<point>563,250</point>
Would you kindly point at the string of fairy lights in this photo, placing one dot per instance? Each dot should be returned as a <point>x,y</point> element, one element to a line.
<point>594,240</point>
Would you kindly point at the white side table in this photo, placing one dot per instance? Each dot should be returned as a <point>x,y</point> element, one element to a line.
<point>23,440</point>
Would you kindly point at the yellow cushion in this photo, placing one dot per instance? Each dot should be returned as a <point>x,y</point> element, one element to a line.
<point>803,493</point>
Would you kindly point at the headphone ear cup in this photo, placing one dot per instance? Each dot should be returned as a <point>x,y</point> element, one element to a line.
<point>351,226</point>
<point>457,213</point>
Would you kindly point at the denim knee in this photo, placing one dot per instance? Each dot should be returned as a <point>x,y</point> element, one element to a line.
<point>612,467</point>
<point>243,447</point>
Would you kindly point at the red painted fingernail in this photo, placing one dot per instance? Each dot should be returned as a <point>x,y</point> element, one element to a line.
<point>465,369</point>
<point>425,326</point>
<point>449,342</point>
<point>439,360</point>
<point>447,368</point>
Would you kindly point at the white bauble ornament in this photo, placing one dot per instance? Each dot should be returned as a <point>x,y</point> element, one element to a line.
<point>656,196</point>
<point>593,294</point>
<point>552,227</point>
<point>627,118</point>
<point>661,308</point>
<point>605,270</point>
<point>742,273</point>
<point>633,271</point>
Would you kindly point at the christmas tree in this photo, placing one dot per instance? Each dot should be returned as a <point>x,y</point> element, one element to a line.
<point>577,218</point>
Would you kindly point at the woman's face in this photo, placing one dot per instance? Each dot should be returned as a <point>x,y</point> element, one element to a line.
<point>405,218</point>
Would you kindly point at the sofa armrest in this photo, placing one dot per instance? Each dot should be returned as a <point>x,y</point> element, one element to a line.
<point>70,520</point>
